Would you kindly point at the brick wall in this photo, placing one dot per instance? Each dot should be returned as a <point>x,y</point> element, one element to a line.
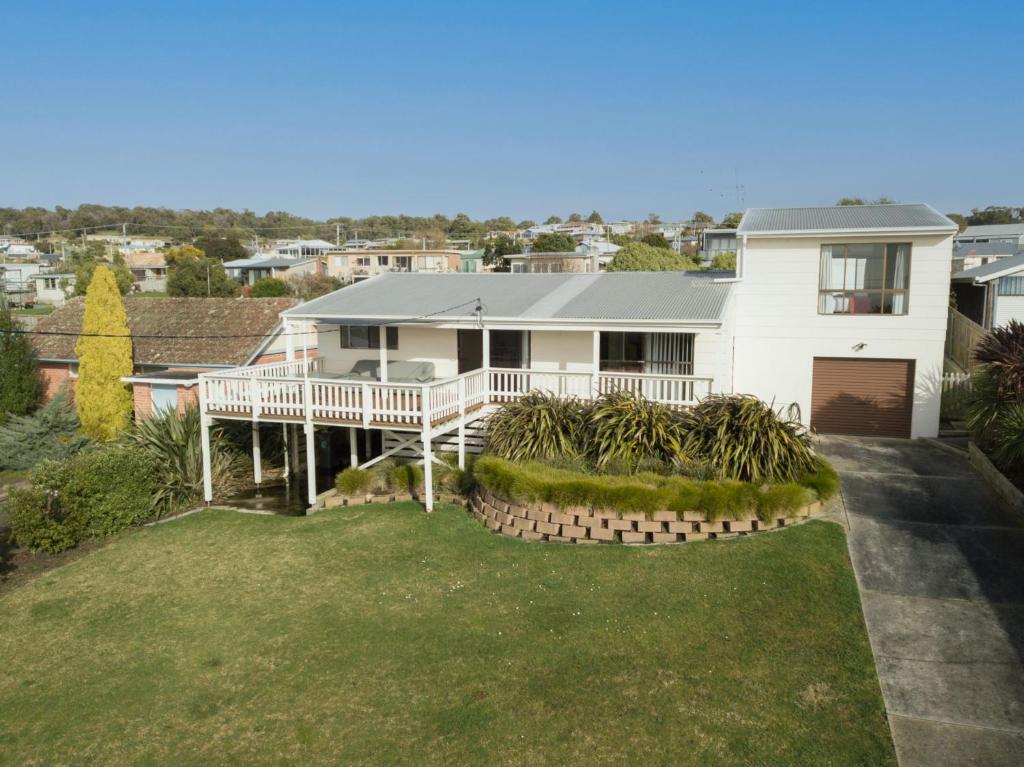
<point>188,396</point>
<point>53,376</point>
<point>578,524</point>
<point>142,395</point>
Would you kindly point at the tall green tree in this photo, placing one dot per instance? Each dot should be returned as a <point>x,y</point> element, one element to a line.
<point>496,251</point>
<point>20,387</point>
<point>640,257</point>
<point>553,220</point>
<point>83,261</point>
<point>104,351</point>
<point>656,240</point>
<point>201,278</point>
<point>554,242</point>
<point>575,217</point>
<point>594,218</point>
<point>700,217</point>
<point>221,248</point>
<point>731,221</point>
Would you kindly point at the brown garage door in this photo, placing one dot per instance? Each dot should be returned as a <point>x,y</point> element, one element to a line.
<point>862,396</point>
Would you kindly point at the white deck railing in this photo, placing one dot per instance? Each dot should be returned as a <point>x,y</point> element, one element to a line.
<point>281,391</point>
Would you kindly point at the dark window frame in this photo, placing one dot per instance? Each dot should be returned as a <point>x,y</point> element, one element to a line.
<point>372,338</point>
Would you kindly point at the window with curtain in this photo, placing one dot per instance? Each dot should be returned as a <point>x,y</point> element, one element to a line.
<point>864,278</point>
<point>366,337</point>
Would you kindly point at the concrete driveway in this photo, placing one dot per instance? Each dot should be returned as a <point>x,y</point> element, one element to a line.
<point>940,565</point>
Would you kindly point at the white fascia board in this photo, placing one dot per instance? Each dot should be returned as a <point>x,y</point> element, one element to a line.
<point>517,323</point>
<point>824,233</point>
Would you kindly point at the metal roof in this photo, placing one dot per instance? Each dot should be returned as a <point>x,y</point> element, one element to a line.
<point>967,249</point>
<point>994,230</point>
<point>627,296</point>
<point>993,269</point>
<point>841,218</point>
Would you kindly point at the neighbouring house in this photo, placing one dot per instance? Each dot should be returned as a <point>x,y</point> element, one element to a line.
<point>716,242</point>
<point>992,294</point>
<point>471,261</point>
<point>1002,233</point>
<point>149,270</point>
<point>18,282</point>
<point>356,265</point>
<point>53,288</point>
<point>303,248</point>
<point>175,339</point>
<point>838,313</point>
<point>249,271</point>
<point>583,259</point>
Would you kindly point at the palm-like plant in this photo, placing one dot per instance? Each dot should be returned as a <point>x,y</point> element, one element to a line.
<point>174,440</point>
<point>536,427</point>
<point>1008,437</point>
<point>746,439</point>
<point>630,430</point>
<point>1001,351</point>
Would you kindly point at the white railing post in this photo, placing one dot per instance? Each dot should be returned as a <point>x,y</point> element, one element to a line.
<point>254,397</point>
<point>595,376</point>
<point>367,403</point>
<point>204,430</point>
<point>428,456</point>
<point>462,422</point>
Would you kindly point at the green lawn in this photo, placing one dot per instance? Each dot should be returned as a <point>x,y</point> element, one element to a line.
<point>384,636</point>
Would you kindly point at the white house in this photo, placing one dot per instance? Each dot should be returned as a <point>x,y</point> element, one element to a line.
<point>992,294</point>
<point>840,312</point>
<point>249,271</point>
<point>355,265</point>
<point>53,287</point>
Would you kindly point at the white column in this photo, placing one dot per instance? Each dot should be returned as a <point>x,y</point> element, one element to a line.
<point>353,442</point>
<point>595,380</point>
<point>487,347</point>
<point>204,421</point>
<point>310,463</point>
<point>462,422</point>
<point>428,472</point>
<point>293,445</point>
<point>287,450</point>
<point>383,354</point>
<point>289,342</point>
<point>257,459</point>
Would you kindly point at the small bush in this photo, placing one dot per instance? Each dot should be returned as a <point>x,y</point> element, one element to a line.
<point>746,439</point>
<point>353,481</point>
<point>38,523</point>
<point>1008,437</point>
<point>407,477</point>
<point>382,476</point>
<point>777,501</point>
<point>728,498</point>
<point>823,480</point>
<point>109,489</point>
<point>51,432</point>
<point>536,427</point>
<point>630,430</point>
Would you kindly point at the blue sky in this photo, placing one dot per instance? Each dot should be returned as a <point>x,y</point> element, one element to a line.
<point>524,109</point>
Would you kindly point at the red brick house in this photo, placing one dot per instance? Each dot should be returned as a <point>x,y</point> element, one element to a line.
<point>173,340</point>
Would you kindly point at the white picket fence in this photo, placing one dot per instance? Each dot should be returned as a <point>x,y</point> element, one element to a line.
<point>954,381</point>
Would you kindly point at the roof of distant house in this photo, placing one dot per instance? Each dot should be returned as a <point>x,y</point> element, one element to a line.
<point>967,249</point>
<point>845,218</point>
<point>1001,267</point>
<point>994,230</point>
<point>141,258</point>
<point>624,296</point>
<point>266,263</point>
<point>178,331</point>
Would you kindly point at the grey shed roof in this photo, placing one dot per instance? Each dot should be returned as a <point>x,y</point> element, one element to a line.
<point>841,218</point>
<point>998,268</point>
<point>625,296</point>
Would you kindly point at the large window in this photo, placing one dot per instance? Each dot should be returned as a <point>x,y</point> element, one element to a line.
<point>366,337</point>
<point>864,279</point>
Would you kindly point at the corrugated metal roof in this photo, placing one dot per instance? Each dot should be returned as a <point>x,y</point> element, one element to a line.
<point>656,296</point>
<point>985,272</point>
<point>994,230</point>
<point>843,218</point>
<point>966,249</point>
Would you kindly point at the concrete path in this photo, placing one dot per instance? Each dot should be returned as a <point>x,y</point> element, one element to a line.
<point>940,566</point>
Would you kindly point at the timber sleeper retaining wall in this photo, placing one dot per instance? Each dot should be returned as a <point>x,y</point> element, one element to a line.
<point>582,524</point>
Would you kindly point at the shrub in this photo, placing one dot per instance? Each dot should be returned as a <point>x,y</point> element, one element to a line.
<point>631,429</point>
<point>728,498</point>
<point>537,426</point>
<point>19,381</point>
<point>984,404</point>
<point>38,523</point>
<point>382,476</point>
<point>1008,437</point>
<point>450,478</point>
<point>823,480</point>
<point>1001,351</point>
<point>51,432</point>
<point>777,501</point>
<point>353,481</point>
<point>269,287</point>
<point>408,477</point>
<point>109,489</point>
<point>174,441</point>
<point>744,438</point>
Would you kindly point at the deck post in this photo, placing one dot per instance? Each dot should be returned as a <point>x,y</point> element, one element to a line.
<point>428,458</point>
<point>595,375</point>
<point>257,458</point>
<point>486,334</point>
<point>462,422</point>
<point>293,445</point>
<point>289,343</point>
<point>204,421</point>
<point>353,447</point>
<point>383,354</point>
<point>310,463</point>
<point>287,450</point>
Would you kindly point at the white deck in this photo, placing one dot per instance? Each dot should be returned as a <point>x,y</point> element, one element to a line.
<point>297,392</point>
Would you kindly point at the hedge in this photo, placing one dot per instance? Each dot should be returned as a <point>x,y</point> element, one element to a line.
<point>647,493</point>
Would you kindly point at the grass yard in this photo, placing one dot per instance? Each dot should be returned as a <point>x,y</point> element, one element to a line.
<point>384,636</point>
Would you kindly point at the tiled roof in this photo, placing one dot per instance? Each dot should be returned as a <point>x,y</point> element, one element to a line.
<point>174,330</point>
<point>840,218</point>
<point>419,296</point>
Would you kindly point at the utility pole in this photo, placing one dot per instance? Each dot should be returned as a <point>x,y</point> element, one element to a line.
<point>207,278</point>
<point>337,235</point>
<point>124,237</point>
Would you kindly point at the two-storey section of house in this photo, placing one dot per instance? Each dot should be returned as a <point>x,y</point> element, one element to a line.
<point>842,311</point>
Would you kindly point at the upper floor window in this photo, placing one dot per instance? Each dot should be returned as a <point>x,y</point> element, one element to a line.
<point>382,260</point>
<point>366,337</point>
<point>864,278</point>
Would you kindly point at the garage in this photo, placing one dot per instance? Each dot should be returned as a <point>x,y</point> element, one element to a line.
<point>868,397</point>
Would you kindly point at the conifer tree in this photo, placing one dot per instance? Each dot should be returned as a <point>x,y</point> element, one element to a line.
<point>19,379</point>
<point>104,352</point>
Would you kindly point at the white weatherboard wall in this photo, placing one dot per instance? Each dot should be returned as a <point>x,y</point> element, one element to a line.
<point>565,350</point>
<point>415,344</point>
<point>1007,308</point>
<point>779,331</point>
